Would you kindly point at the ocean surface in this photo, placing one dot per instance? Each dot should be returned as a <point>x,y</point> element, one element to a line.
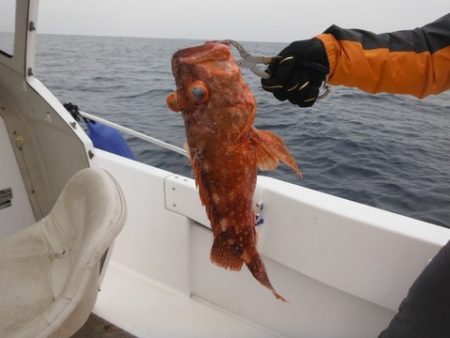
<point>391,152</point>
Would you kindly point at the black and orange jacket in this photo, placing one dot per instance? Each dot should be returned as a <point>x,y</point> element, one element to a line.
<point>415,62</point>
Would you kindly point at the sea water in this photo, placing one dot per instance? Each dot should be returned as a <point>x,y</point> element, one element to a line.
<point>387,151</point>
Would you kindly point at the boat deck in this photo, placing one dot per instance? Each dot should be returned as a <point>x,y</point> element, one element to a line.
<point>148,309</point>
<point>98,327</point>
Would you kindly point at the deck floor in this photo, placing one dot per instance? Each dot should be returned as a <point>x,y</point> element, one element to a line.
<point>96,326</point>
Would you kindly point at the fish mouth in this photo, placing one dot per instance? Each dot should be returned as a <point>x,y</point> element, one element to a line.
<point>210,50</point>
<point>187,52</point>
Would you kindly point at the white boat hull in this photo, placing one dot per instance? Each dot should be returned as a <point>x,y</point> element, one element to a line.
<point>343,266</point>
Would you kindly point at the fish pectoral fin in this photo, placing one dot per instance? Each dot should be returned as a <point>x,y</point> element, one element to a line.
<point>199,181</point>
<point>224,255</point>
<point>270,149</point>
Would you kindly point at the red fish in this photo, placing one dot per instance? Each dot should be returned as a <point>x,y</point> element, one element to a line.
<point>225,150</point>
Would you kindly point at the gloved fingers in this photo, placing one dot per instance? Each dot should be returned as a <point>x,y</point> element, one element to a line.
<point>297,81</point>
<point>316,77</point>
<point>294,81</point>
<point>281,94</point>
<point>280,74</point>
<point>300,72</point>
<point>309,97</point>
<point>304,96</point>
<point>304,79</point>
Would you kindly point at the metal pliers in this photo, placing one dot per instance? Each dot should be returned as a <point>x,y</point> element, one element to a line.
<point>251,62</point>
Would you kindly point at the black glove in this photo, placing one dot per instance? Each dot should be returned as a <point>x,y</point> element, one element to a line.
<point>299,74</point>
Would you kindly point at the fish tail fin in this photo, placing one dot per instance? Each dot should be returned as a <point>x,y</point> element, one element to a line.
<point>270,149</point>
<point>256,267</point>
<point>224,255</point>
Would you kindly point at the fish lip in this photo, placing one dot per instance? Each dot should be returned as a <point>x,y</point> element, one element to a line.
<point>190,51</point>
<point>197,54</point>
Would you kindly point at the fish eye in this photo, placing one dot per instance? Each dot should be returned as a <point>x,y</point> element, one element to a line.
<point>198,92</point>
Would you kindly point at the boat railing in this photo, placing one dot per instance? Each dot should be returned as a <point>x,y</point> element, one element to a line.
<point>135,133</point>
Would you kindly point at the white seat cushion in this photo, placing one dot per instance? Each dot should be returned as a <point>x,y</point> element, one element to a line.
<point>48,268</point>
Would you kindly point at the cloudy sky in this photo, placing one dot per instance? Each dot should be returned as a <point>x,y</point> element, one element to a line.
<point>258,20</point>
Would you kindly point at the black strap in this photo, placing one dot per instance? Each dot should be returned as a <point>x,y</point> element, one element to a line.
<point>75,112</point>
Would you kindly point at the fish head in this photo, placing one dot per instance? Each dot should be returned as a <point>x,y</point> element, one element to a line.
<point>206,76</point>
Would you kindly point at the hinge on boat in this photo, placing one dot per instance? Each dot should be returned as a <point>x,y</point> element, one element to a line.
<point>31,26</point>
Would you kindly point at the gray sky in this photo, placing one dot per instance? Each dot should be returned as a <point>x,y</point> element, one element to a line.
<point>259,20</point>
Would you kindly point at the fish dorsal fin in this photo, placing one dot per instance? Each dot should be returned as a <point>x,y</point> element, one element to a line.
<point>270,149</point>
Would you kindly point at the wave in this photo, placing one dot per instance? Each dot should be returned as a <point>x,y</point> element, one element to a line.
<point>148,93</point>
<point>390,151</point>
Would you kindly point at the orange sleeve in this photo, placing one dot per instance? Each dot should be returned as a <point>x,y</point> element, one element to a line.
<point>415,62</point>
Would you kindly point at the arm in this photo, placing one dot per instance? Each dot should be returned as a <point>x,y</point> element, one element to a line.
<point>413,62</point>
<point>425,311</point>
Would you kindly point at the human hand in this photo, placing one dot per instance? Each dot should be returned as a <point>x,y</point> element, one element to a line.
<point>299,74</point>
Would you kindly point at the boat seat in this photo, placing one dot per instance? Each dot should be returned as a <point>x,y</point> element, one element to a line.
<point>49,272</point>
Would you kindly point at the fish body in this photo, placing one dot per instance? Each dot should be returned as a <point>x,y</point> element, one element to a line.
<point>225,150</point>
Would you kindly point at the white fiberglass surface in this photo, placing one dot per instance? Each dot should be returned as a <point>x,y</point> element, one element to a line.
<point>148,309</point>
<point>19,214</point>
<point>328,256</point>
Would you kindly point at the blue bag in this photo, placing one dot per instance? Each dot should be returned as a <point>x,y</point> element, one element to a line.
<point>108,139</point>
